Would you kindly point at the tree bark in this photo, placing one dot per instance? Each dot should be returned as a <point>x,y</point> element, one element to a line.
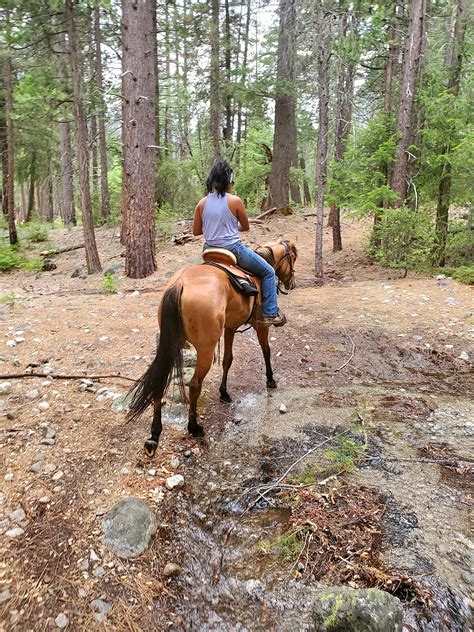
<point>407,93</point>
<point>454,63</point>
<point>104,183</point>
<point>92,255</point>
<point>215,96</point>
<point>3,147</point>
<point>284,138</point>
<point>10,147</point>
<point>68,212</point>
<point>307,194</point>
<point>138,91</point>
<point>228,89</point>
<point>31,192</point>
<point>243,71</point>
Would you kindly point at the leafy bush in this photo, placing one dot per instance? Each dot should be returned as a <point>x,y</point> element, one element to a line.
<point>463,274</point>
<point>460,244</point>
<point>109,284</point>
<point>406,239</point>
<point>37,232</point>
<point>9,258</point>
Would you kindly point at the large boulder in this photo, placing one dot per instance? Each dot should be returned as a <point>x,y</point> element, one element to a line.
<point>351,610</point>
<point>128,527</point>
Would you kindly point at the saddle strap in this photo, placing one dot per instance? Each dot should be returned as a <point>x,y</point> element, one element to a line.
<point>242,285</point>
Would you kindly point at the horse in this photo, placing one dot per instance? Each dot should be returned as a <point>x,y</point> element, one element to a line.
<point>198,305</point>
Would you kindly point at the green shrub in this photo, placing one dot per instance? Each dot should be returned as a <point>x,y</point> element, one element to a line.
<point>109,284</point>
<point>37,232</point>
<point>9,258</point>
<point>463,274</point>
<point>405,239</point>
<point>459,245</point>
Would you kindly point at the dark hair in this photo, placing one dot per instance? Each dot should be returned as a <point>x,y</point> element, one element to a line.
<point>219,178</point>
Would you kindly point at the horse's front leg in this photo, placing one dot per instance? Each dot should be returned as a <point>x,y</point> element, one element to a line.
<point>262,334</point>
<point>226,364</point>
<point>156,427</point>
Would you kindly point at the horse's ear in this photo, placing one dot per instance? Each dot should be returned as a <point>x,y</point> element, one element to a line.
<point>295,240</point>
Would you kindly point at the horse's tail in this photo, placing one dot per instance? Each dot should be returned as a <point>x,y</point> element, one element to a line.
<point>168,359</point>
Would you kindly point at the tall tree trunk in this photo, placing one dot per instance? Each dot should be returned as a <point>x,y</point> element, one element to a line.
<point>31,193</point>
<point>93,154</point>
<point>215,96</point>
<point>243,73</point>
<point>407,94</point>
<point>68,211</point>
<point>228,89</point>
<point>307,194</point>
<point>284,138</point>
<point>3,146</point>
<point>104,183</point>
<point>345,92</point>
<point>10,184</point>
<point>454,65</point>
<point>92,255</point>
<point>138,91</point>
<point>323,57</point>
<point>167,79</point>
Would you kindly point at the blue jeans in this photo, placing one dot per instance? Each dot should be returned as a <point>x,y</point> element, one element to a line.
<point>254,263</point>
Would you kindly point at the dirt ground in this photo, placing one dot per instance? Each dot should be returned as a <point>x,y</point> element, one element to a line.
<point>369,352</point>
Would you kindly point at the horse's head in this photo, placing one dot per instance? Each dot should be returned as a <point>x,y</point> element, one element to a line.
<point>281,255</point>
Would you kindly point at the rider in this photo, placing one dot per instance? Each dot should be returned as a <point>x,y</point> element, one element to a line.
<point>219,216</point>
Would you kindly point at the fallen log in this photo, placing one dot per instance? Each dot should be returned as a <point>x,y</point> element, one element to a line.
<point>283,210</point>
<point>58,251</point>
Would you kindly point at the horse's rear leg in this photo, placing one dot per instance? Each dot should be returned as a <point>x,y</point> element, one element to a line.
<point>203,364</point>
<point>156,427</point>
<point>226,364</point>
<point>262,334</point>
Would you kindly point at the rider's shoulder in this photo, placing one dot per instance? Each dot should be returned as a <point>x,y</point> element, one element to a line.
<point>234,198</point>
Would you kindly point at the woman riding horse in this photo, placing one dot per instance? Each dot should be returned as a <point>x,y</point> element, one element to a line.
<point>219,216</point>
<point>198,305</point>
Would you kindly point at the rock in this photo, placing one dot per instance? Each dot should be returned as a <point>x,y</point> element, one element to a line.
<point>49,468</point>
<point>5,388</point>
<point>3,405</point>
<point>283,409</point>
<point>18,515</point>
<point>174,481</point>
<point>32,394</point>
<point>128,527</point>
<point>48,265</point>
<point>125,470</point>
<point>43,406</point>
<point>47,369</point>
<point>61,621</point>
<point>15,532</point>
<point>100,617</point>
<point>44,500</point>
<point>115,267</point>
<point>50,432</point>
<point>171,570</point>
<point>36,467</point>
<point>79,274</point>
<point>187,453</point>
<point>76,417</point>
<point>59,474</point>
<point>93,556</point>
<point>152,472</point>
<point>9,476</point>
<point>10,343</point>
<point>464,356</point>
<point>351,610</point>
<point>98,605</point>
<point>5,595</point>
<point>99,571</point>
<point>174,462</point>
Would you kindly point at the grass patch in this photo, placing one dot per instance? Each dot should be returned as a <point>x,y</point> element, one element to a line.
<point>463,274</point>
<point>346,453</point>
<point>109,284</point>
<point>288,546</point>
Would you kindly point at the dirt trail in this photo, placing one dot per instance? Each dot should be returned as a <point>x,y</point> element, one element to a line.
<point>405,393</point>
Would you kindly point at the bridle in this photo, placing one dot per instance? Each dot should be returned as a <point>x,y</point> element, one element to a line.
<point>269,256</point>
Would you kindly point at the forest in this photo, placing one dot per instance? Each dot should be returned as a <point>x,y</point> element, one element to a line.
<point>114,114</point>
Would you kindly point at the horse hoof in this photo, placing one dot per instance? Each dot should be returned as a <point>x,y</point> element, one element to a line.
<point>150,447</point>
<point>271,384</point>
<point>226,398</point>
<point>197,431</point>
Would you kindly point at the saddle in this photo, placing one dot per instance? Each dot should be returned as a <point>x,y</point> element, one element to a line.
<point>226,261</point>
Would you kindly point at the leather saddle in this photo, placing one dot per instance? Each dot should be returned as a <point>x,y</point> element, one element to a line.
<point>226,261</point>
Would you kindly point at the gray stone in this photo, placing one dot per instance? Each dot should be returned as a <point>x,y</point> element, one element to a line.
<point>99,571</point>
<point>5,595</point>
<point>174,481</point>
<point>9,476</point>
<point>351,610</point>
<point>5,388</point>
<point>36,467</point>
<point>61,621</point>
<point>15,532</point>
<point>128,527</point>
<point>48,265</point>
<point>32,394</point>
<point>48,441</point>
<point>79,274</point>
<point>115,267</point>
<point>98,605</point>
<point>18,515</point>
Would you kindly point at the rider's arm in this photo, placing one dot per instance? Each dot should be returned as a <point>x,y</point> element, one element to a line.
<point>241,215</point>
<point>197,224</point>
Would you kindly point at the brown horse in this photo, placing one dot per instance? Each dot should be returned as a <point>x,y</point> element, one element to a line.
<point>199,304</point>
